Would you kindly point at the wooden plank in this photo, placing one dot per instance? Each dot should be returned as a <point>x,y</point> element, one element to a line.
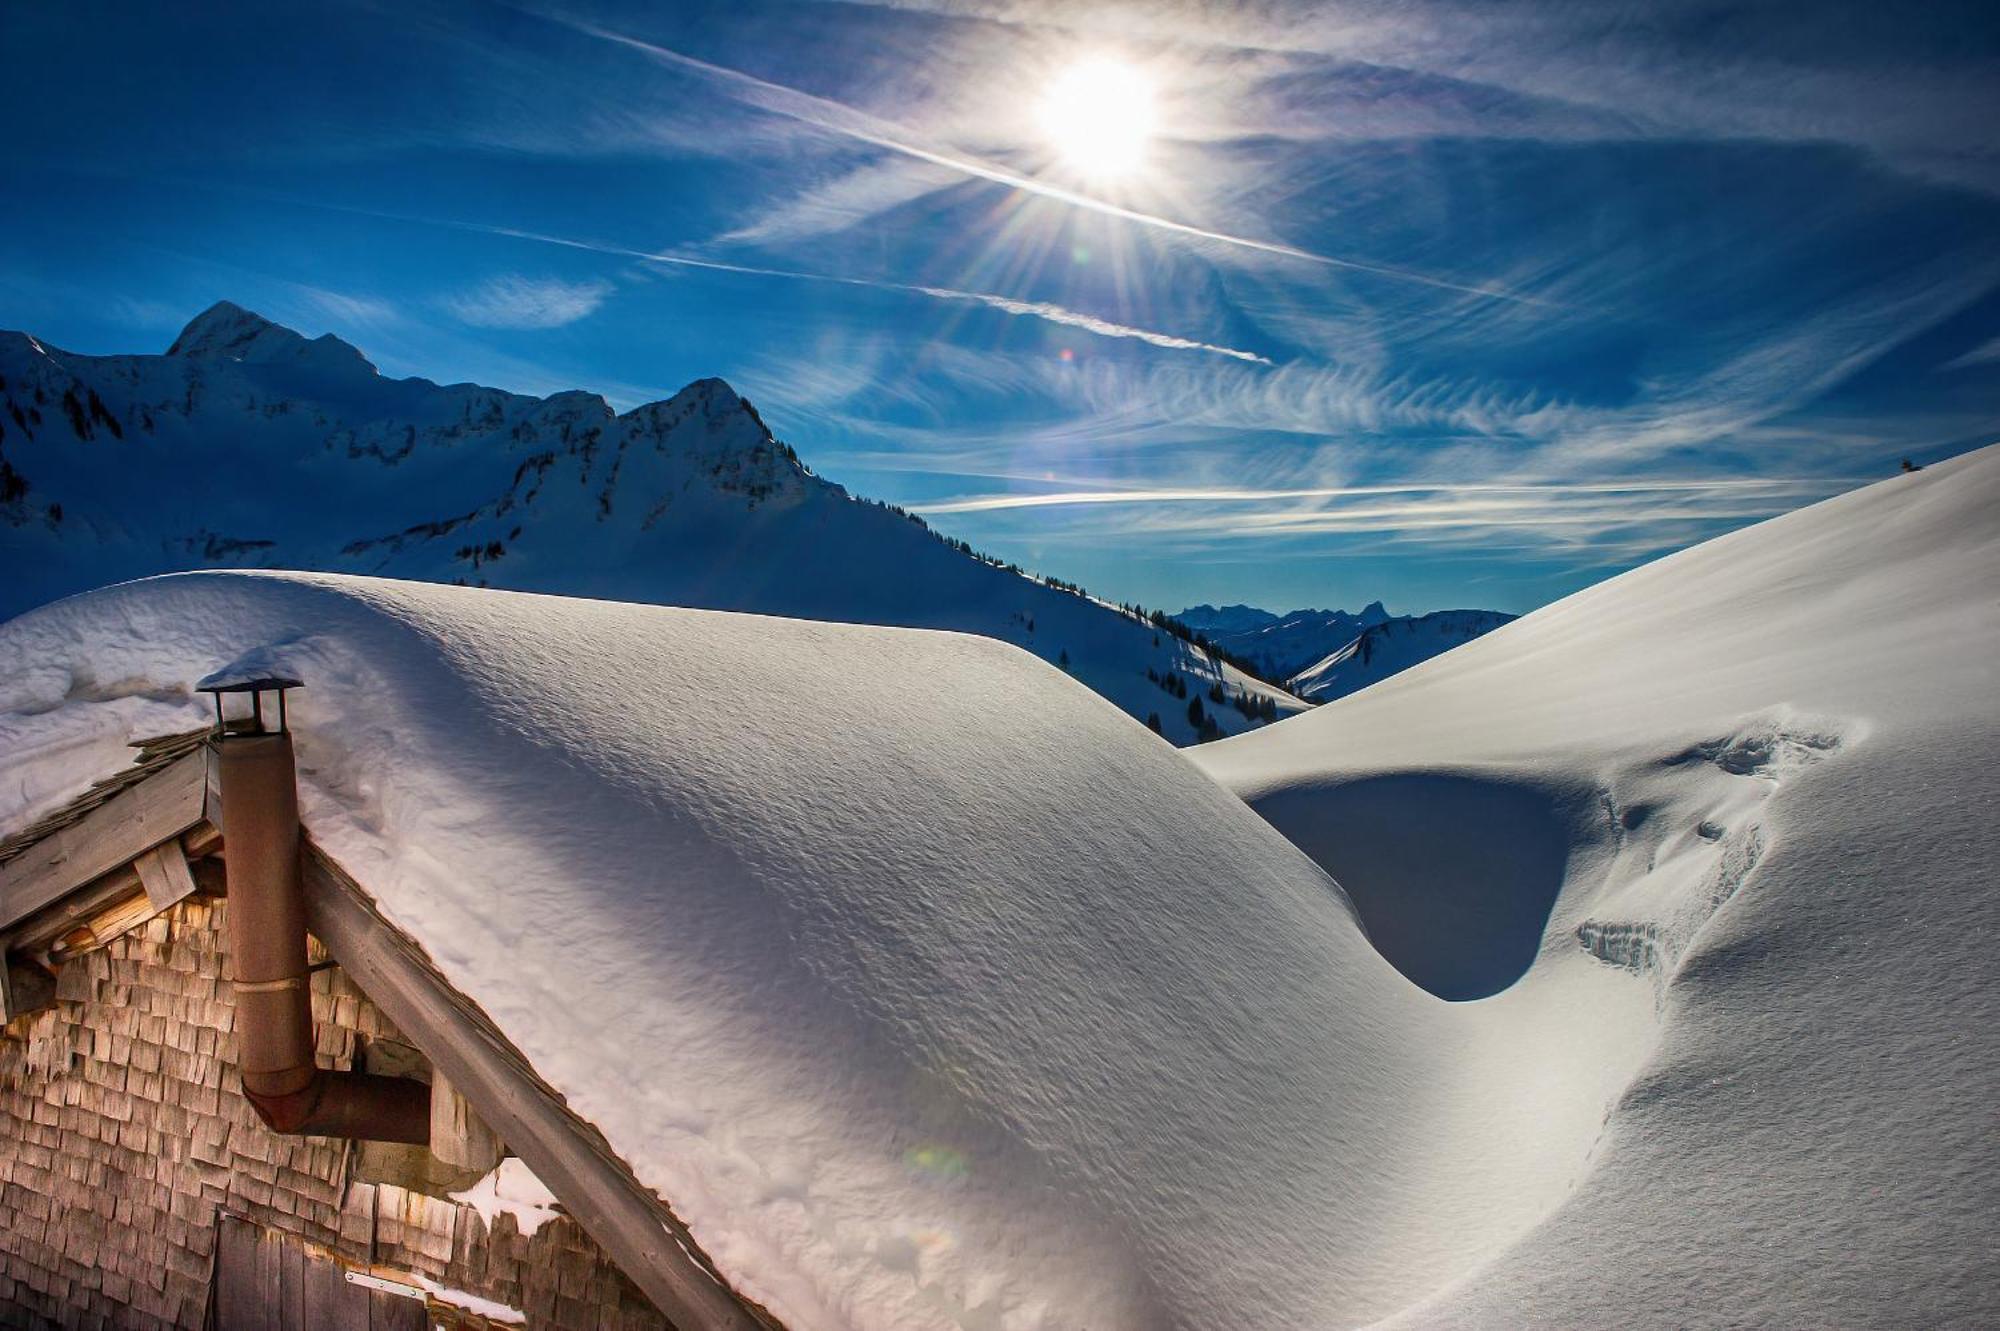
<point>78,908</point>
<point>125,826</point>
<point>392,1312</point>
<point>163,872</point>
<point>270,1280</point>
<point>565,1153</point>
<point>291,1282</point>
<point>324,1304</point>
<point>458,1135</point>
<point>237,1306</point>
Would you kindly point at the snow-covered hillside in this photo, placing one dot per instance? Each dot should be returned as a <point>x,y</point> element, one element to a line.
<point>248,445</point>
<point>1735,815</point>
<point>935,993</point>
<point>1390,647</point>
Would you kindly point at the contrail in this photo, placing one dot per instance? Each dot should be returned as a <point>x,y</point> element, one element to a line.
<point>1055,314</point>
<point>837,118</point>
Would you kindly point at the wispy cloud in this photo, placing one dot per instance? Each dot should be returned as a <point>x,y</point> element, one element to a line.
<point>516,301</point>
<point>1495,496</point>
<point>1051,313</point>
<point>345,307</point>
<point>1986,353</point>
<point>1584,524</point>
<point>1641,69</point>
<point>845,200</point>
<point>839,119</point>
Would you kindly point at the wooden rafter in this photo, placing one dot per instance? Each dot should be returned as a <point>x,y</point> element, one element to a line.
<point>140,817</point>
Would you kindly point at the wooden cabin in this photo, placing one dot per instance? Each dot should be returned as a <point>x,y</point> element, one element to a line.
<point>139,1187</point>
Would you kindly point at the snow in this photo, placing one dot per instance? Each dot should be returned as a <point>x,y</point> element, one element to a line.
<point>490,1309</point>
<point>248,445</point>
<point>928,987</point>
<point>933,991</point>
<point>511,1188</point>
<point>1757,783</point>
<point>226,331</point>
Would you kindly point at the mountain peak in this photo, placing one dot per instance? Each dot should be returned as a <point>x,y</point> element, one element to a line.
<point>726,414</point>
<point>227,331</point>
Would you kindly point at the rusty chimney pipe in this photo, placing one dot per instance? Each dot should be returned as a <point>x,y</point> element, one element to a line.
<point>267,946</point>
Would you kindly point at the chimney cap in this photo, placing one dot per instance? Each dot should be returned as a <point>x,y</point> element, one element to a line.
<point>221,682</point>
<point>255,680</point>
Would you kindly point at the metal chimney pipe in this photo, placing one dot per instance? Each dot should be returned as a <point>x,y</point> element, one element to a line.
<point>267,945</point>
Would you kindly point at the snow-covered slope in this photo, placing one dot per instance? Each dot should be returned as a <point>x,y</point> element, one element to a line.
<point>248,445</point>
<point>1389,647</point>
<point>1736,815</point>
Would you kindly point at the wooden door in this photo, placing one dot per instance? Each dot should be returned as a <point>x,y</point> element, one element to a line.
<point>267,1281</point>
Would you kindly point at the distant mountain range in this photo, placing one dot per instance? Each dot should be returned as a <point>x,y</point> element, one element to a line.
<point>248,445</point>
<point>1321,655</point>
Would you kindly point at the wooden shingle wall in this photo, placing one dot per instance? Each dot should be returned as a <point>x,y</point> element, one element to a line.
<point>123,1135</point>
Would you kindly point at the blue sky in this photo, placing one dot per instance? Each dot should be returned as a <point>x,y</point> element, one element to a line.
<point>1443,303</point>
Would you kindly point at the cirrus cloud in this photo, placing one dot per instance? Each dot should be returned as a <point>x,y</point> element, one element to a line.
<point>516,301</point>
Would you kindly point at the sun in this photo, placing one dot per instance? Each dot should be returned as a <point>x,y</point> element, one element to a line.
<point>1099,116</point>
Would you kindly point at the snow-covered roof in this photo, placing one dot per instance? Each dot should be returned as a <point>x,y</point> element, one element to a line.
<point>925,985</point>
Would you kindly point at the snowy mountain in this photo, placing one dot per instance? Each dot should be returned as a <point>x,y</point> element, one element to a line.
<point>1277,646</point>
<point>1328,654</point>
<point>1214,620</point>
<point>1386,648</point>
<point>249,445</point>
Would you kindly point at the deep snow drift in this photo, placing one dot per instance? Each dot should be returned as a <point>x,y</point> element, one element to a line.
<point>248,445</point>
<point>1761,779</point>
<point>932,991</point>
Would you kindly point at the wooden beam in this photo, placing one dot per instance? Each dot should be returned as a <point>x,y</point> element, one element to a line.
<point>112,835</point>
<point>565,1152</point>
<point>163,872</point>
<point>80,908</point>
<point>459,1136</point>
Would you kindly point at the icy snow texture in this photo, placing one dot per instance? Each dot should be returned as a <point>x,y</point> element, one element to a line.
<point>932,991</point>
